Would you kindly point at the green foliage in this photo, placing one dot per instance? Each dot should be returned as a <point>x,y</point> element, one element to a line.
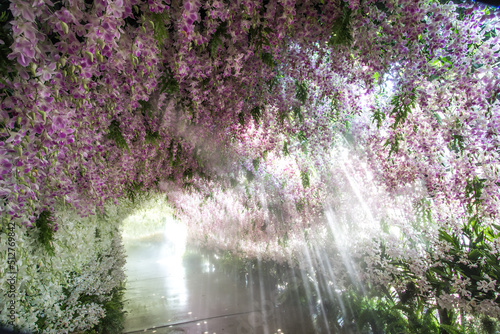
<point>458,145</point>
<point>377,314</point>
<point>187,176</point>
<point>267,59</point>
<point>6,65</point>
<point>132,189</point>
<point>300,205</point>
<point>115,134</point>
<point>383,312</point>
<point>255,163</point>
<point>301,136</point>
<point>304,176</point>
<point>256,113</point>
<point>259,36</point>
<point>471,245</point>
<point>233,182</point>
<point>241,119</point>
<point>152,137</point>
<point>402,107</point>
<point>356,310</point>
<point>301,91</point>
<point>469,257</point>
<point>489,325</point>
<point>379,117</point>
<point>394,143</point>
<point>274,81</point>
<point>45,229</point>
<point>249,175</point>
<point>168,84</point>
<point>216,40</point>
<point>302,139</point>
<point>474,190</point>
<point>478,250</point>
<point>41,323</point>
<point>298,114</point>
<point>285,148</point>
<point>175,155</point>
<point>146,107</point>
<point>160,32</point>
<point>449,329</point>
<point>113,321</point>
<point>341,29</point>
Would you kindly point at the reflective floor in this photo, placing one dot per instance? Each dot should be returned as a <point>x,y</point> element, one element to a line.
<point>171,289</point>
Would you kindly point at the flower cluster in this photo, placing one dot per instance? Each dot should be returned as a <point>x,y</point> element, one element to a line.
<point>66,292</point>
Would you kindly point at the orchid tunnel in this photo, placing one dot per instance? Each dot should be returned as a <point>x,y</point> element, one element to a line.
<point>355,139</point>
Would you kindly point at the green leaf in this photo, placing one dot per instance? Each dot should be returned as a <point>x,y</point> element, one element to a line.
<point>341,29</point>
<point>378,117</point>
<point>158,23</point>
<point>450,329</point>
<point>301,91</point>
<point>90,56</point>
<point>256,113</point>
<point>446,237</point>
<point>302,137</point>
<point>476,278</point>
<point>285,149</point>
<point>216,40</point>
<point>394,143</point>
<point>45,228</point>
<point>115,133</point>
<point>298,114</point>
<point>474,255</point>
<point>440,272</point>
<point>64,27</point>
<point>402,106</point>
<point>305,179</point>
<point>405,309</point>
<point>267,59</point>
<point>168,83</point>
<point>255,163</point>
<point>152,137</point>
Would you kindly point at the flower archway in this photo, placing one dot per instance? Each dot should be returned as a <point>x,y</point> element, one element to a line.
<point>268,124</point>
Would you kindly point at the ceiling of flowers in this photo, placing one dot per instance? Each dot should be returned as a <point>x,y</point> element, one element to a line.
<point>266,124</point>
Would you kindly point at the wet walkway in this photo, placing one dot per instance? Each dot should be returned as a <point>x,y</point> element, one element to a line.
<point>171,289</point>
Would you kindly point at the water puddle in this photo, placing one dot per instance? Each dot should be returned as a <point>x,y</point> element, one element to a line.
<point>176,289</point>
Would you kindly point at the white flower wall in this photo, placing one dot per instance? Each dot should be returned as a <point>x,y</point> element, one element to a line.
<point>64,292</point>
